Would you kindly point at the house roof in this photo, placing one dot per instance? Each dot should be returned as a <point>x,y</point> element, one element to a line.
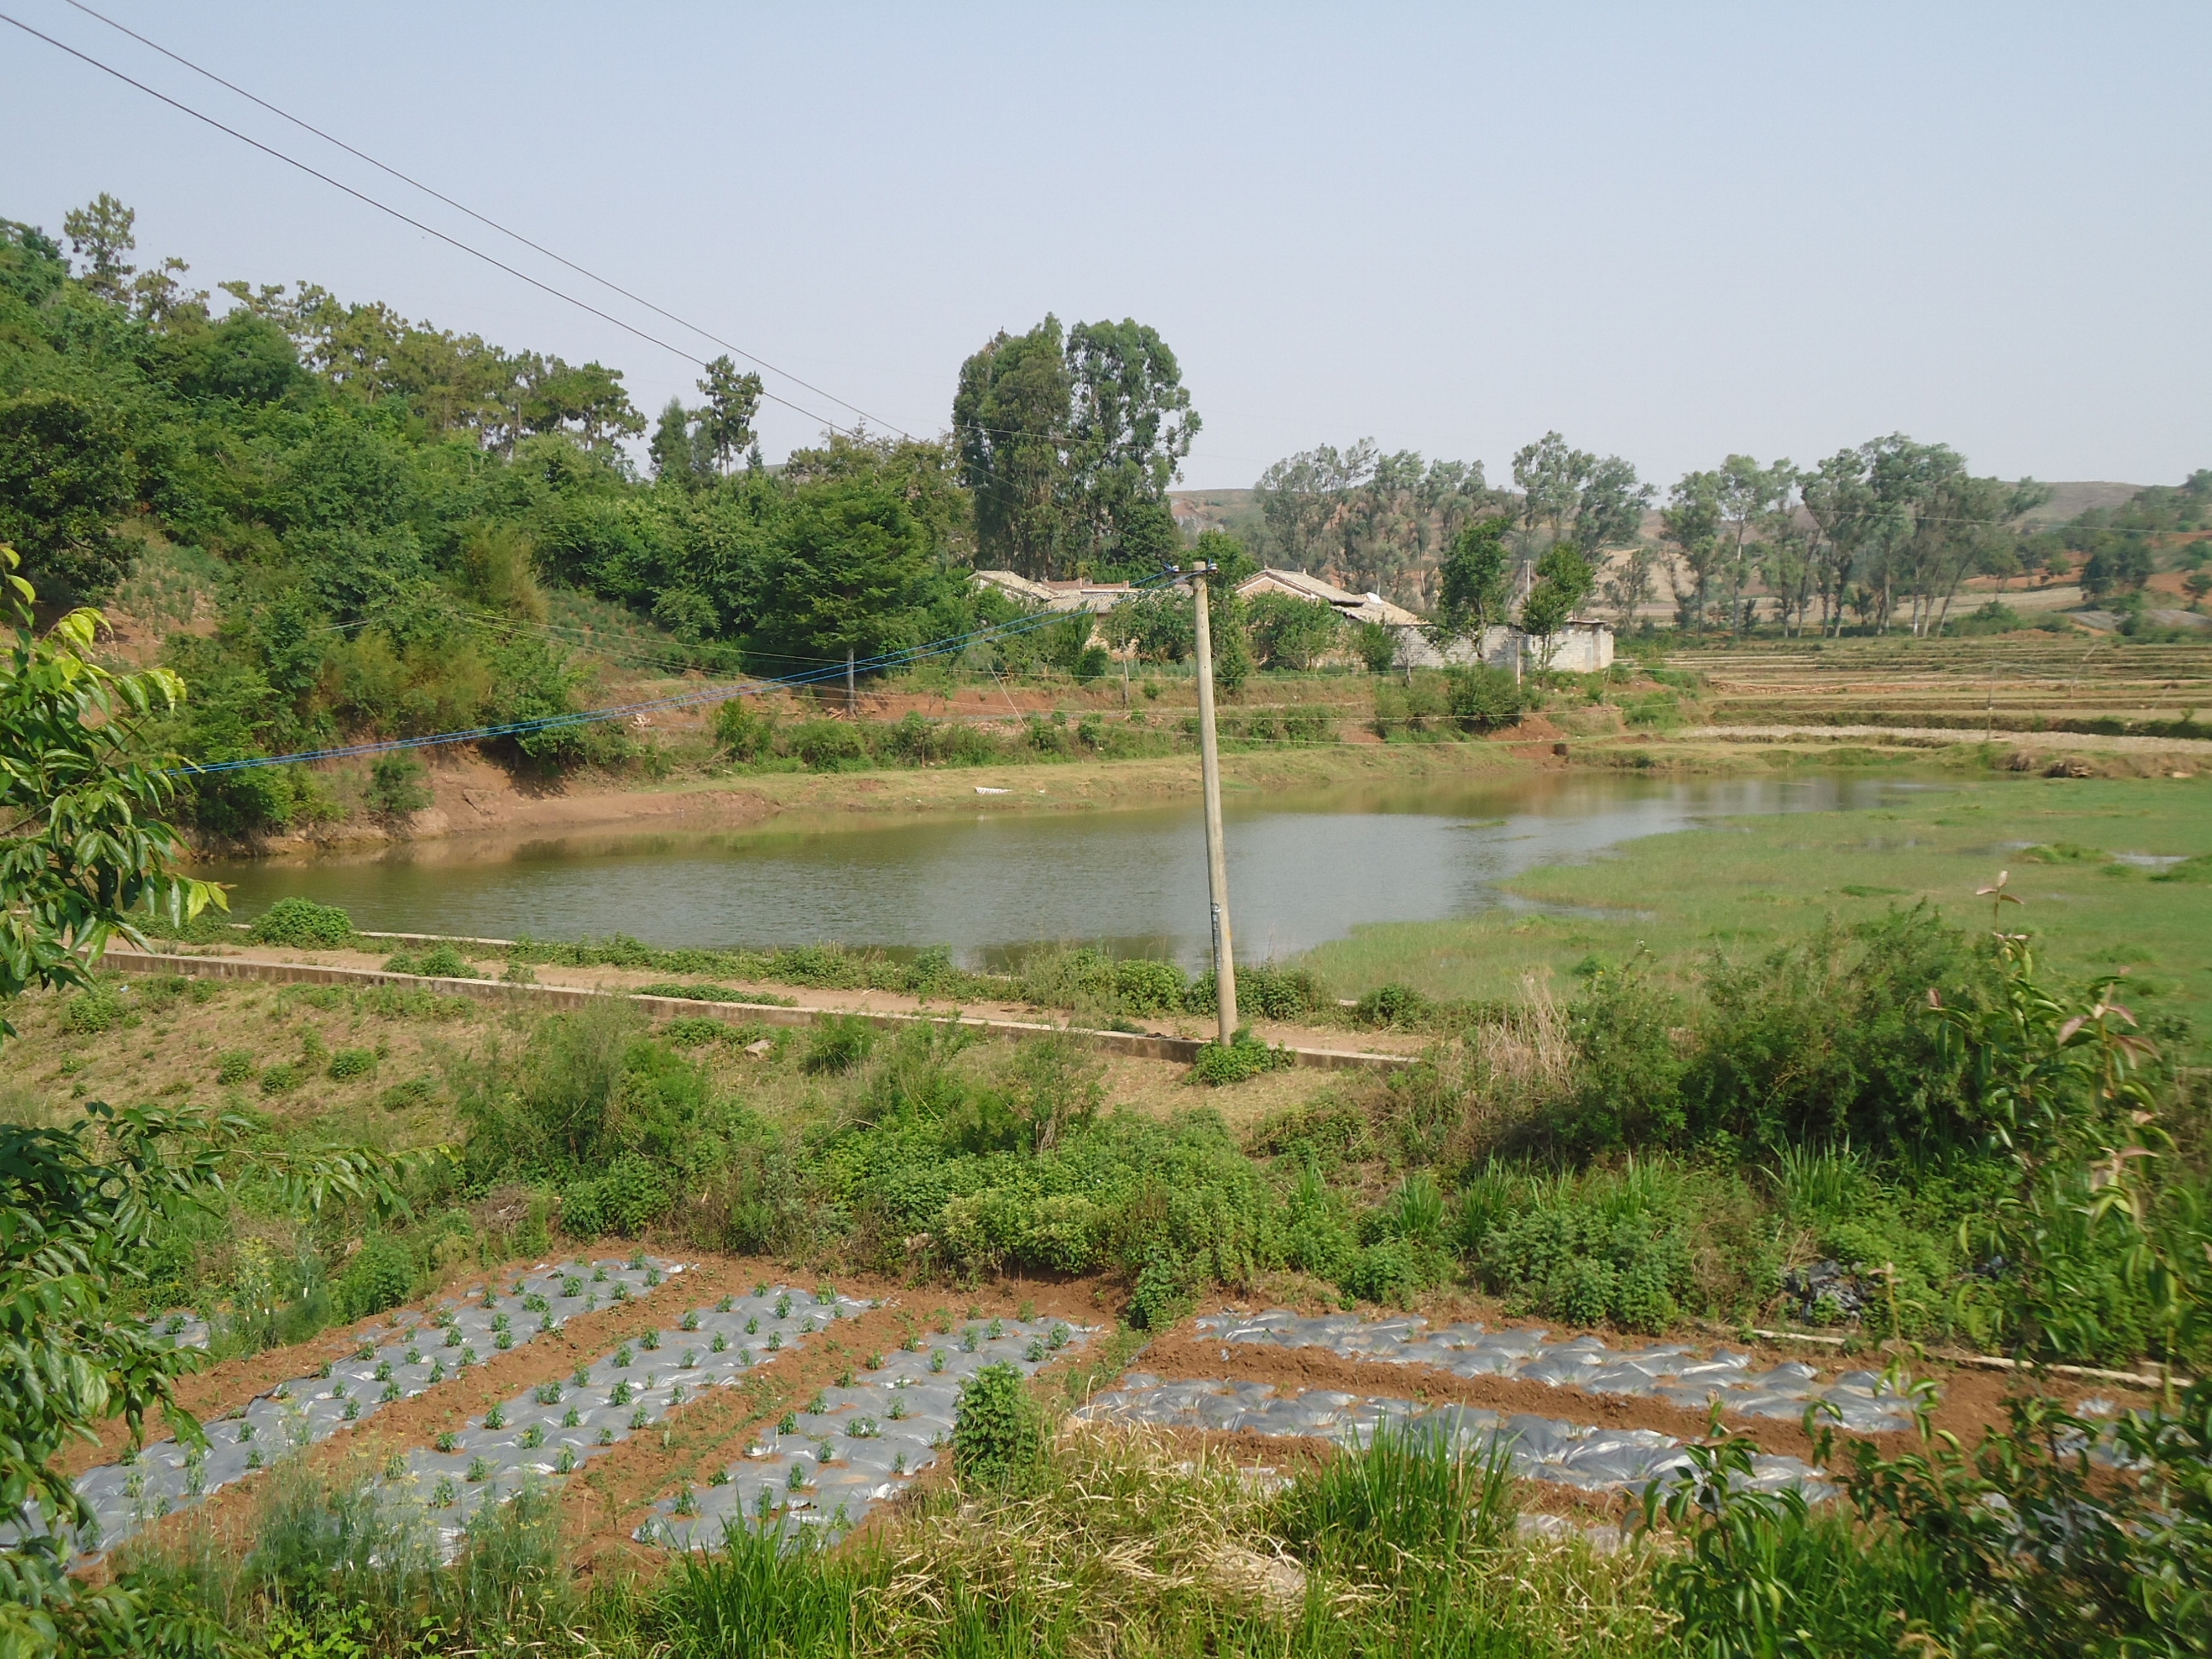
<point>1360,607</point>
<point>1077,595</point>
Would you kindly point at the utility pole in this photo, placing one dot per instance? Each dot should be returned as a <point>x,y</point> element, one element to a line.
<point>852,691</point>
<point>1217,858</point>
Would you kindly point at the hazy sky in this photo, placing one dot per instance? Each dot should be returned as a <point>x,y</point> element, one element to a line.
<point>1669,231</point>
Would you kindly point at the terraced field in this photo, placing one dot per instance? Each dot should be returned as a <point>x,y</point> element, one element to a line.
<point>2008,684</point>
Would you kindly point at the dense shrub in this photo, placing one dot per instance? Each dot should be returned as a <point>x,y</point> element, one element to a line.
<point>838,1043</point>
<point>1483,699</point>
<point>1219,1064</point>
<point>1621,1248</point>
<point>99,1008</point>
<point>380,1276</point>
<point>997,1430</point>
<point>350,1063</point>
<point>303,924</point>
<point>631,1196</point>
<point>1389,1006</point>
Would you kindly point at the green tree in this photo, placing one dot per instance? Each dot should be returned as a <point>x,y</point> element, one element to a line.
<point>1010,417</point>
<point>853,571</point>
<point>1690,524</point>
<point>85,845</point>
<point>1289,632</point>
<point>66,476</point>
<point>1564,580</point>
<point>725,424</point>
<point>1131,424</point>
<point>1475,585</point>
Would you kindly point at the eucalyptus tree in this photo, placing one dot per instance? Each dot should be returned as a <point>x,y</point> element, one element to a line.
<point>1750,497</point>
<point>1130,426</point>
<point>1690,524</point>
<point>1010,417</point>
<point>1550,475</point>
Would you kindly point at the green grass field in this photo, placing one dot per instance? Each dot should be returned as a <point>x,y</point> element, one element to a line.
<point>1746,885</point>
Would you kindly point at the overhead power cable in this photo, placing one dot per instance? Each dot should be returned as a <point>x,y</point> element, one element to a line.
<point>483,219</point>
<point>386,208</point>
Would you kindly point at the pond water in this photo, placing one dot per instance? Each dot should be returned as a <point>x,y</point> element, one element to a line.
<point>1302,868</point>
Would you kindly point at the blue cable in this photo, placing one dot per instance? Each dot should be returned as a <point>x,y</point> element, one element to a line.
<point>949,645</point>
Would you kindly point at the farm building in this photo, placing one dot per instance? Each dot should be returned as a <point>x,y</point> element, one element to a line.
<point>1583,647</point>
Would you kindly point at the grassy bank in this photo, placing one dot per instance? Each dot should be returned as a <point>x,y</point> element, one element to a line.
<point>1748,886</point>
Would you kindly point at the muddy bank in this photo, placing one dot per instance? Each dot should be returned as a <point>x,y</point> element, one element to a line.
<point>474,802</point>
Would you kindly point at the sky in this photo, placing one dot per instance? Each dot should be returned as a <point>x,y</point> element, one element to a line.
<point>1671,231</point>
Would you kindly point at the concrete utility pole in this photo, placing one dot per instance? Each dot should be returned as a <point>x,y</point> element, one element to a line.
<point>851,690</point>
<point>1217,859</point>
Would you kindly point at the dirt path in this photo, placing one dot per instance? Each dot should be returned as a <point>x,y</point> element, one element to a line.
<point>1183,1027</point>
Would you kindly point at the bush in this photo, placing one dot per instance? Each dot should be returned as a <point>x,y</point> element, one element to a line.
<point>304,924</point>
<point>350,1063</point>
<point>1145,987</point>
<point>395,785</point>
<point>380,1276</point>
<point>1483,699</point>
<point>997,1430</point>
<point>628,1198</point>
<point>96,1009</point>
<point>838,1044</point>
<point>745,733</point>
<point>1391,1006</point>
<point>236,1066</point>
<point>1219,1064</point>
<point>444,961</point>
<point>282,1079</point>
<point>830,747</point>
<point>1621,1248</point>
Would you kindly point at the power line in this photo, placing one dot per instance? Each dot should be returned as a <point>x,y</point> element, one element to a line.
<point>482,219</point>
<point>405,219</point>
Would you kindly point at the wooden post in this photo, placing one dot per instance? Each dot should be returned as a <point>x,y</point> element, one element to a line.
<point>1217,858</point>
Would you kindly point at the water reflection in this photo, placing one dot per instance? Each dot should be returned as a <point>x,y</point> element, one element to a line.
<point>1304,868</point>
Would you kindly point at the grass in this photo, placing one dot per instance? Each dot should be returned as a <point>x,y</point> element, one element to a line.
<point>1744,885</point>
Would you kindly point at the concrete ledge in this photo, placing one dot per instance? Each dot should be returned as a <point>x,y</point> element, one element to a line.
<point>1139,1045</point>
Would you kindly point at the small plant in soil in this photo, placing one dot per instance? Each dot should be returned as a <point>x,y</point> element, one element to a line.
<point>897,1412</point>
<point>752,1326</point>
<point>623,1355</point>
<point>775,1341</point>
<point>414,1355</point>
<point>566,1463</point>
<point>725,1304</point>
<point>547,1394</point>
<point>968,1340</point>
<point>623,1393</point>
<point>937,1359</point>
<point>606,1437</point>
<point>444,1493</point>
<point>532,1437</point>
<point>787,1424</point>
<point>692,1320</point>
<point>495,1418</point>
<point>783,1306</point>
<point>536,1303</point>
<point>391,1392</point>
<point>650,1341</point>
<point>719,1478</point>
<point>685,1503</point>
<point>598,1275</point>
<point>719,1345</point>
<point>572,1287</point>
<point>572,1419</point>
<point>353,1411</point>
<point>479,1470</point>
<point>639,1418</point>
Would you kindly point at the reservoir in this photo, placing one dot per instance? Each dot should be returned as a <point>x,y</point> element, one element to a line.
<point>1302,868</point>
